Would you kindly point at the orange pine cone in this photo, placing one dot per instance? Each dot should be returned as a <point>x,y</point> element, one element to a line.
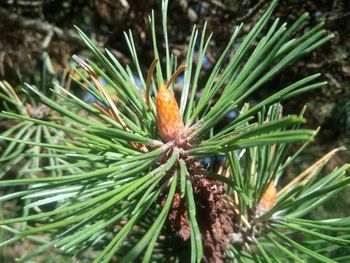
<point>169,120</point>
<point>269,197</point>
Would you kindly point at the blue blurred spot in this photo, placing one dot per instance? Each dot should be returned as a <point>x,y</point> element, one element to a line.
<point>220,158</point>
<point>206,64</point>
<point>206,161</point>
<point>197,8</point>
<point>137,81</point>
<point>180,80</point>
<point>88,97</point>
<point>232,114</point>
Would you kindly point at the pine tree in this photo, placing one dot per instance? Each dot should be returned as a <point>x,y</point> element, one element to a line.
<point>145,195</point>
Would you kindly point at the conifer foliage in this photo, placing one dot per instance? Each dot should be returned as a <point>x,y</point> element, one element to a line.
<point>141,192</point>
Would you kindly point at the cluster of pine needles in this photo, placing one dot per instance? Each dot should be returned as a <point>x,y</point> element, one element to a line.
<point>123,177</point>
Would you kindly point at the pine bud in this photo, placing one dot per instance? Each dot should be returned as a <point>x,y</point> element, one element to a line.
<point>269,197</point>
<point>169,120</point>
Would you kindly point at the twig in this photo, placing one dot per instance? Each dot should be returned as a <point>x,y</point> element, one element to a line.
<point>44,27</point>
<point>227,9</point>
<point>50,31</point>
